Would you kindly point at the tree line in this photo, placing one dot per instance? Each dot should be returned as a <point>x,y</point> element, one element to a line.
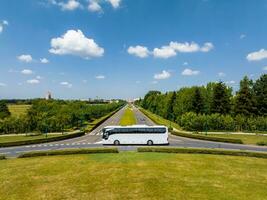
<point>214,106</point>
<point>53,116</point>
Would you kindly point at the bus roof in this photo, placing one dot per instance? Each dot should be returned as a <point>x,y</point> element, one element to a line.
<point>136,126</point>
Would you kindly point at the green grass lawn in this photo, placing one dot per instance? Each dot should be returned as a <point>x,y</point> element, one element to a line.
<point>132,175</point>
<point>128,118</point>
<point>247,139</point>
<point>17,110</point>
<point>15,138</point>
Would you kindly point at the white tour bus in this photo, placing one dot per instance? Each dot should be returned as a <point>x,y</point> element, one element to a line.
<point>136,134</point>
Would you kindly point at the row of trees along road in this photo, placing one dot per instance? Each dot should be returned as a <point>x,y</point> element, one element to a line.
<point>214,106</point>
<point>53,116</point>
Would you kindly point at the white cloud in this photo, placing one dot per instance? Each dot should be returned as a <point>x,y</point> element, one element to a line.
<point>164,52</point>
<point>185,63</point>
<point>184,47</point>
<point>154,82</point>
<point>221,74</point>
<point>66,84</point>
<point>69,5</point>
<point>264,68</point>
<point>27,71</point>
<point>25,58</point>
<point>33,81</point>
<point>257,55</point>
<point>94,6</point>
<point>163,75</point>
<point>139,51</point>
<point>207,47</point>
<point>171,49</point>
<point>189,72</point>
<point>39,77</point>
<point>44,60</point>
<point>2,24</point>
<point>115,3</point>
<point>3,85</point>
<point>75,43</point>
<point>100,77</point>
<point>230,82</point>
<point>242,36</point>
<point>84,81</point>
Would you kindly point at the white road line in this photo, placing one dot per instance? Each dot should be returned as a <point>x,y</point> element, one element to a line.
<point>100,142</point>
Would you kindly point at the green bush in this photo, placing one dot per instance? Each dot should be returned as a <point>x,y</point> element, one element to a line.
<point>68,152</point>
<point>209,138</point>
<point>216,122</point>
<point>2,157</point>
<point>43,140</point>
<point>203,151</point>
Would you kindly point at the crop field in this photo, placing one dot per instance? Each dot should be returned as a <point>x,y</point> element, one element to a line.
<point>132,175</point>
<point>17,110</point>
<point>128,118</point>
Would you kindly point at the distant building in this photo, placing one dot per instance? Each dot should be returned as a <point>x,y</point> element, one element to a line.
<point>48,96</point>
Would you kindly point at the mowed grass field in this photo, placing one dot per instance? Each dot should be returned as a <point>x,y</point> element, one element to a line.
<point>17,110</point>
<point>132,175</point>
<point>128,118</point>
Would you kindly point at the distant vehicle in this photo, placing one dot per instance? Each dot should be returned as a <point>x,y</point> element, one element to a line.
<point>136,134</point>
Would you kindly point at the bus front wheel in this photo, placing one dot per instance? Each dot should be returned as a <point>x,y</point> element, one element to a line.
<point>116,142</point>
<point>149,142</point>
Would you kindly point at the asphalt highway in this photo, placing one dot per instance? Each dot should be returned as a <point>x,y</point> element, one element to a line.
<point>94,139</point>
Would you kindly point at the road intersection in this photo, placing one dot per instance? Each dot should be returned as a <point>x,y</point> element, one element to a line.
<point>94,139</point>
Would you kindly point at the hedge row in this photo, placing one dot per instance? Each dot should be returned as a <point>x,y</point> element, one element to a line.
<point>203,151</point>
<point>42,140</point>
<point>68,152</point>
<point>199,122</point>
<point>262,143</point>
<point>209,138</point>
<point>97,122</point>
<point>2,157</point>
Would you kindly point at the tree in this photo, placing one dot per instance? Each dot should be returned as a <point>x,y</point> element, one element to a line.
<point>221,102</point>
<point>4,112</point>
<point>260,90</point>
<point>170,107</point>
<point>198,102</point>
<point>245,102</point>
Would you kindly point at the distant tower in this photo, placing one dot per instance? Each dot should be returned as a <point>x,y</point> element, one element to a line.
<point>48,96</point>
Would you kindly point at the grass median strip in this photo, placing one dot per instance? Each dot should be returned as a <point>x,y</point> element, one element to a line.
<point>203,151</point>
<point>128,118</point>
<point>209,138</point>
<point>68,152</point>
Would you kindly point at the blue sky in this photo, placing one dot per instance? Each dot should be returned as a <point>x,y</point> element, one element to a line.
<point>123,48</point>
